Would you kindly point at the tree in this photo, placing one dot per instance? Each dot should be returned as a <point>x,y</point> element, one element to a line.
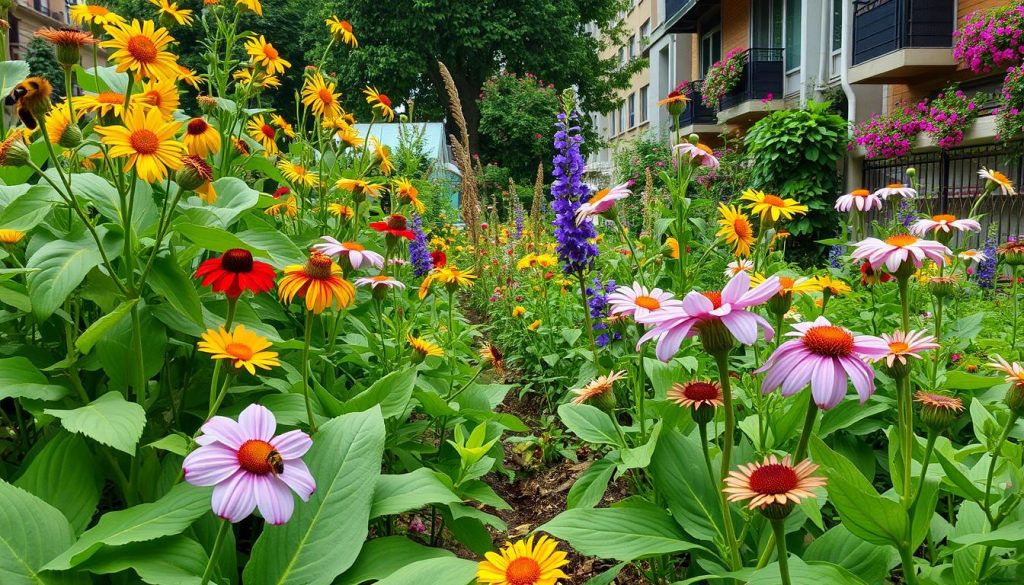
<point>516,113</point>
<point>402,41</point>
<point>42,61</point>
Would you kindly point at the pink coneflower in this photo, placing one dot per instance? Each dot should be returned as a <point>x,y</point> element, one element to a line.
<point>1014,371</point>
<point>896,189</point>
<point>998,180</point>
<point>827,357</point>
<point>702,312</point>
<point>699,153</point>
<point>904,344</point>
<point>601,202</point>
<point>696,394</point>
<point>862,199</point>
<point>249,467</point>
<point>599,391</point>
<point>973,255</point>
<point>895,250</point>
<point>739,265</point>
<point>379,280</point>
<point>772,482</point>
<point>944,222</point>
<point>637,301</point>
<point>356,253</point>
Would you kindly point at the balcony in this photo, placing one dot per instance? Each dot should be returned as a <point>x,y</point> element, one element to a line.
<point>759,90</point>
<point>697,117</point>
<point>895,41</point>
<point>684,16</point>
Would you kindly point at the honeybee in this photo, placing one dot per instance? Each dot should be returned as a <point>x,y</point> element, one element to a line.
<point>30,96</point>
<point>276,462</point>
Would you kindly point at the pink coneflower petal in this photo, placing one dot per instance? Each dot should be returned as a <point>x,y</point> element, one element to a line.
<point>233,499</point>
<point>273,498</point>
<point>210,466</point>
<point>224,430</point>
<point>297,476</point>
<point>257,423</point>
<point>292,445</point>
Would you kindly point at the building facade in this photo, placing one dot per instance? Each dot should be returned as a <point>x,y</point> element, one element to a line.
<point>28,16</point>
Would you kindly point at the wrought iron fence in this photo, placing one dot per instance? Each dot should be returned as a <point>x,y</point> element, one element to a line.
<point>763,77</point>
<point>949,183</point>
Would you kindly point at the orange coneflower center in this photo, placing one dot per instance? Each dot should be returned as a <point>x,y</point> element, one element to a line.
<point>326,96</point>
<point>522,571</point>
<point>701,391</point>
<point>197,126</point>
<point>142,49</point>
<point>945,217</point>
<point>239,351</point>
<point>999,177</point>
<point>270,52</point>
<point>598,196</point>
<point>144,141</point>
<point>97,10</point>
<point>774,201</point>
<point>380,278</point>
<point>354,246</point>
<point>255,456</point>
<point>898,347</point>
<point>901,240</point>
<point>895,186</point>
<point>715,297</point>
<point>860,193</point>
<point>773,478</point>
<point>829,340</point>
<point>785,283</point>
<point>268,131</point>
<point>110,97</point>
<point>236,260</point>
<point>705,148</point>
<point>345,25</point>
<point>742,228</point>
<point>396,222</point>
<point>318,266</point>
<point>649,303</point>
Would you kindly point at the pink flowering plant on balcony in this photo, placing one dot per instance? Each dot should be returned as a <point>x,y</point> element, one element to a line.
<point>950,115</point>
<point>891,135</point>
<point>991,39</point>
<point>1010,111</point>
<point>723,76</point>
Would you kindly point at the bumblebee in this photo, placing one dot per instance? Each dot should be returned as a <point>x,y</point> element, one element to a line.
<point>30,99</point>
<point>276,462</point>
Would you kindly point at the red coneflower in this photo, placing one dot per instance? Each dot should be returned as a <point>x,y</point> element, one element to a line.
<point>439,258</point>
<point>236,271</point>
<point>395,226</point>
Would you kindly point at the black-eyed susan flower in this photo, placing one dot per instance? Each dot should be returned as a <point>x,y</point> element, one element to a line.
<point>491,354</point>
<point>147,141</point>
<point>735,229</point>
<point>264,54</point>
<point>200,138</point>
<point>287,208</point>
<point>140,48</point>
<point>162,95</point>
<point>170,12</point>
<point>319,281</point>
<point>341,30</point>
<point>60,128</point>
<point>264,133</point>
<point>350,137</point>
<point>382,155</point>
<point>518,311</point>
<point>342,211</point>
<point>243,348</point>
<point>380,102</point>
<point>94,14</point>
<point>451,277</point>
<point>524,563</point>
<point>359,187</point>
<point>424,348</point>
<point>186,75</point>
<point>283,124</point>
<point>319,96</point>
<point>772,208</point>
<point>298,174</point>
<point>253,6</point>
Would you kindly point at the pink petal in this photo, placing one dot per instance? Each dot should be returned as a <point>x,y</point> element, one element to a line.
<point>210,465</point>
<point>862,376</point>
<point>273,498</point>
<point>735,288</point>
<point>769,331</point>
<point>800,376</point>
<point>760,293</point>
<point>297,476</point>
<point>743,326</point>
<point>696,304</point>
<point>292,445</point>
<point>782,368</point>
<point>233,499</point>
<point>669,343</point>
<point>226,431</point>
<point>258,422</point>
<point>823,384</point>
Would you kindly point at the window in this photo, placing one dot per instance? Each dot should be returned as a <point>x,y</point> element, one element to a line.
<point>643,103</point>
<point>645,32</point>
<point>611,124</point>
<point>632,47</point>
<point>710,49</point>
<point>622,56</point>
<point>792,34</point>
<point>766,31</point>
<point>622,118</point>
<point>632,110</point>
<point>837,25</point>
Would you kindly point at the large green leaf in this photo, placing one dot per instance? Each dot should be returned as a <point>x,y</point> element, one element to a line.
<point>58,267</point>
<point>19,378</point>
<point>679,472</point>
<point>110,419</point>
<point>392,393</point>
<point>168,516</point>
<point>117,345</point>
<point>233,198</point>
<point>215,239</point>
<point>11,74</point>
<point>267,237</point>
<point>589,423</point>
<point>102,195</point>
<point>802,573</point>
<point>863,511</point>
<point>381,557</point>
<point>102,326</point>
<point>324,536</point>
<point>395,494</point>
<point>1011,535</point>
<point>623,534</point>
<point>30,209</point>
<point>173,560</point>
<point>841,547</point>
<point>65,475</point>
<point>970,522</point>
<point>960,380</point>
<point>590,486</point>
<point>447,570</point>
<point>31,533</point>
<point>174,286</point>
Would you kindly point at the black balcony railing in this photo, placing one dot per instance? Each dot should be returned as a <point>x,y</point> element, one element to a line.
<point>884,26</point>
<point>696,112</point>
<point>763,77</point>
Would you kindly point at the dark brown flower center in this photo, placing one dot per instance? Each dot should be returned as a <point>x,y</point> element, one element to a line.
<point>237,260</point>
<point>774,478</point>
<point>396,222</point>
<point>701,391</point>
<point>197,126</point>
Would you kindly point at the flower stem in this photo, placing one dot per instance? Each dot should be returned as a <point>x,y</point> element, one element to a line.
<point>779,529</point>
<point>218,544</point>
<point>624,234</point>
<point>907,560</point>
<point>1016,305</point>
<point>703,430</point>
<point>928,449</point>
<point>906,414</point>
<point>587,322</point>
<point>805,436</point>
<point>307,337</point>
<point>722,359</point>
<point>904,286</point>
<point>939,301</point>
<point>1010,422</point>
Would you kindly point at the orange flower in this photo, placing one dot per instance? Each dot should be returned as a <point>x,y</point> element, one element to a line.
<point>320,281</point>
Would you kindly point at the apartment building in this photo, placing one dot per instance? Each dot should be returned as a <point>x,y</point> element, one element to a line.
<point>28,16</point>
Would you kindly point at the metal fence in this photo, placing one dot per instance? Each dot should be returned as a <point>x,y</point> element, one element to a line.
<point>949,183</point>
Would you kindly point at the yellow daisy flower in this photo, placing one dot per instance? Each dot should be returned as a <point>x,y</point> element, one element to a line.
<point>736,229</point>
<point>383,156</point>
<point>408,192</point>
<point>379,102</point>
<point>283,124</point>
<point>11,237</point>
<point>771,208</point>
<point>188,76</point>
<point>263,133</point>
<point>359,186</point>
<point>162,95</point>
<point>298,174</point>
<point>182,16</point>
<point>342,31</point>
<point>140,48</point>
<point>58,120</point>
<point>319,96</point>
<point>200,138</point>
<point>524,563</point>
<point>253,6</point>
<point>244,348</point>
<point>288,208</point>
<point>147,141</point>
<point>93,14</point>
<point>424,348</point>
<point>265,55</point>
<point>103,103</point>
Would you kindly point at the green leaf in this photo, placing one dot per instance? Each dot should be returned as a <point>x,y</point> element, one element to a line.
<point>381,557</point>
<point>267,237</point>
<point>324,536</point>
<point>623,534</point>
<point>679,472</point>
<point>20,379</point>
<point>215,239</point>
<point>65,475</point>
<point>607,577</point>
<point>58,268</point>
<point>110,419</point>
<point>11,74</point>
<point>174,560</point>
<point>172,284</point>
<point>1010,535</point>
<point>31,533</point>
<point>395,494</point>
<point>233,198</point>
<point>101,327</point>
<point>959,476</point>
<point>960,380</point>
<point>868,515</point>
<point>841,547</point>
<point>590,486</point>
<point>392,393</point>
<point>168,516</point>
<point>640,457</point>
<point>447,570</point>
<point>802,573</point>
<point>589,423</point>
<point>30,209</point>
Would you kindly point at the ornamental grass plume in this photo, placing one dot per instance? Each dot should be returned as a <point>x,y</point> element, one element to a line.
<point>460,148</point>
<point>537,206</point>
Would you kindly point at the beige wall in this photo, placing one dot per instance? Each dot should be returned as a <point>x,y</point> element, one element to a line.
<point>641,11</point>
<point>27,19</point>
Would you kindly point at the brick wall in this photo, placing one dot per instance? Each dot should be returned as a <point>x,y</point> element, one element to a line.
<point>965,7</point>
<point>735,25</point>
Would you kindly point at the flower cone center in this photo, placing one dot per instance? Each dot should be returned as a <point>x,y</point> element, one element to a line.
<point>110,97</point>
<point>142,49</point>
<point>396,222</point>
<point>774,201</point>
<point>144,141</point>
<point>742,228</point>
<point>898,347</point>
<point>254,456</point>
<point>522,571</point>
<point>237,260</point>
<point>715,297</point>
<point>197,126</point>
<point>268,131</point>
<point>701,391</point>
<point>773,478</point>
<point>355,247</point>
<point>598,196</point>
<point>786,284</point>
<point>239,351</point>
<point>829,340</point>
<point>319,266</point>
<point>861,193</point>
<point>895,186</point>
<point>326,96</point>
<point>270,52</point>
<point>944,218</point>
<point>649,303</point>
<point>384,99</point>
<point>901,240</point>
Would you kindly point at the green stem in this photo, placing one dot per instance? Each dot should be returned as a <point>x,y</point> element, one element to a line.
<point>722,359</point>
<point>140,366</point>
<point>640,394</point>
<point>703,430</point>
<point>939,301</point>
<point>624,234</point>
<point>805,436</point>
<point>588,324</point>
<point>928,448</point>
<point>218,544</point>
<point>990,475</point>
<point>904,286</point>
<point>907,560</point>
<point>906,412</point>
<point>215,405</point>
<point>307,337</point>
<point>1016,303</point>
<point>779,530</point>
